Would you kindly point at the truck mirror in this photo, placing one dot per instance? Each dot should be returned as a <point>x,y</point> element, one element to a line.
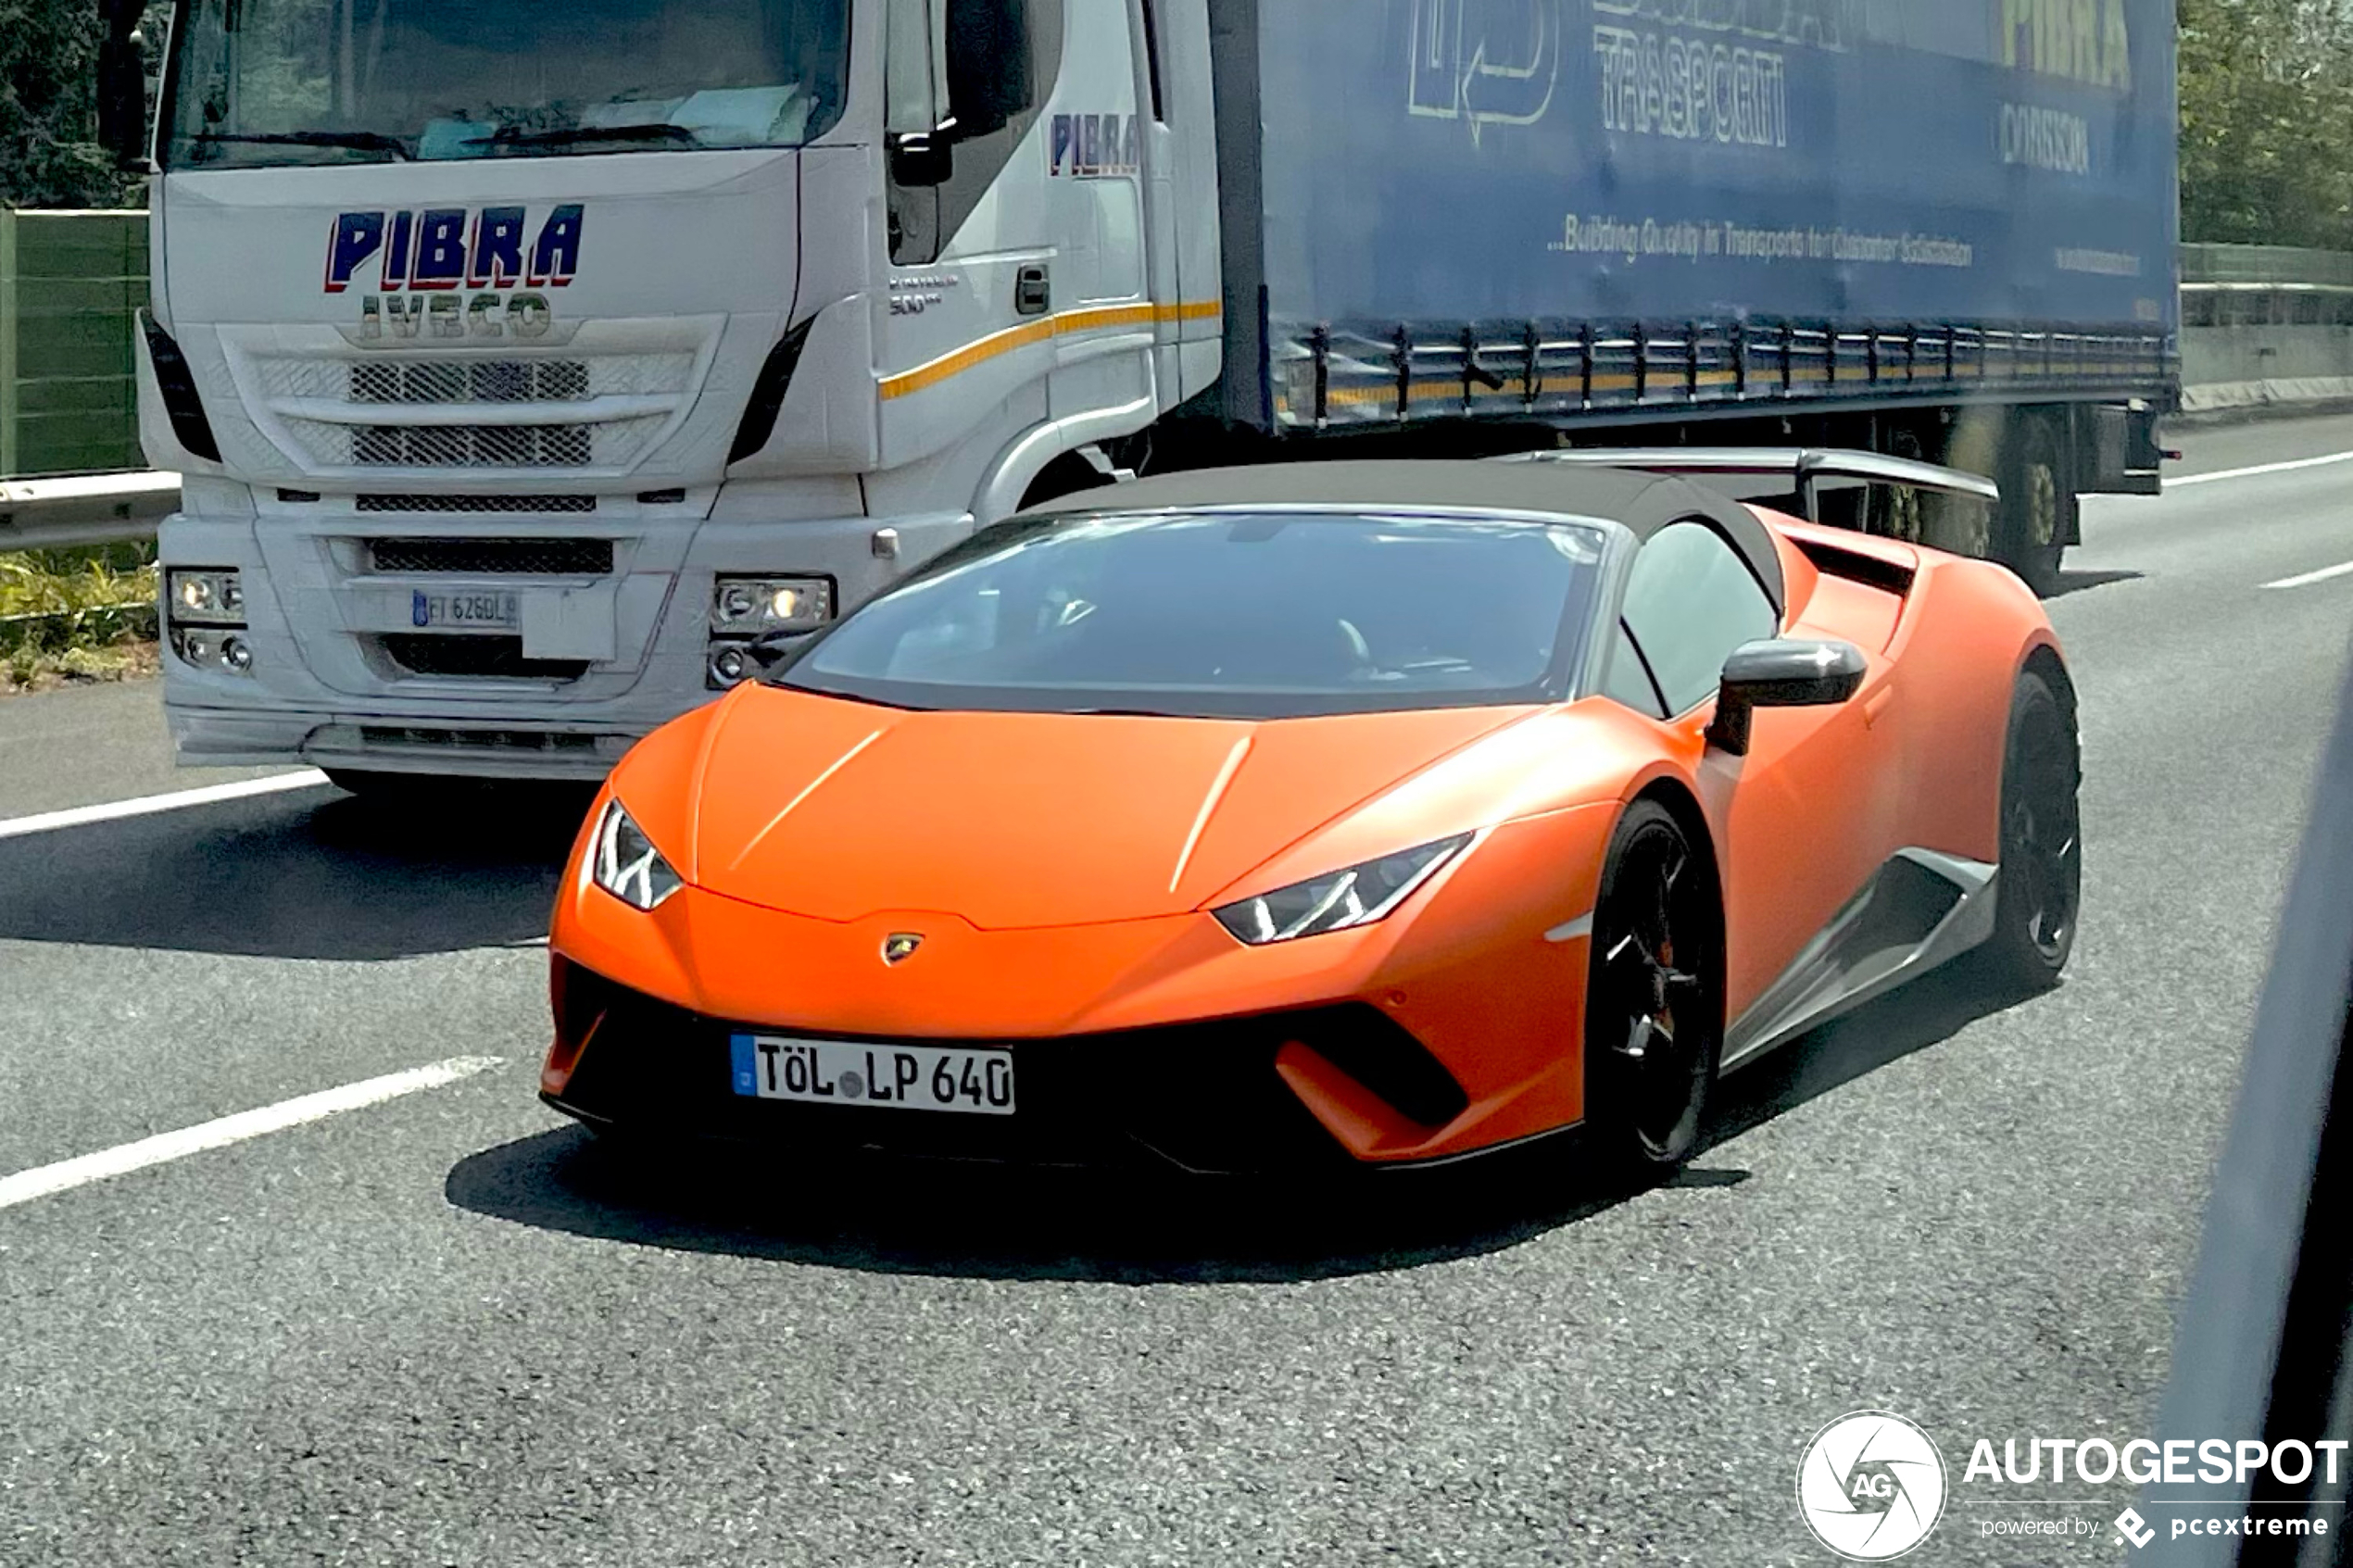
<point>122,89</point>
<point>922,158</point>
<point>989,65</point>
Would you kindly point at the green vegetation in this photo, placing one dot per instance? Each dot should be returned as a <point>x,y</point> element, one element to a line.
<point>2267,121</point>
<point>82,613</point>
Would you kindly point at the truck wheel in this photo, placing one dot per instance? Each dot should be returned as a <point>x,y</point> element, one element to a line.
<point>2038,506</point>
<point>1900,511</point>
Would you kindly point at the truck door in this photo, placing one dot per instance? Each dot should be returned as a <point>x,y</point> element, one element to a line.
<point>1180,194</point>
<point>1017,287</point>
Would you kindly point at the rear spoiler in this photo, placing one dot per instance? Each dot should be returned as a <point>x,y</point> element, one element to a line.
<point>1807,469</point>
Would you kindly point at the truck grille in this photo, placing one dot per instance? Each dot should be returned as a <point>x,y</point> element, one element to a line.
<point>539,558</point>
<point>472,446</point>
<point>476,656</point>
<point>476,381</point>
<point>454,505</point>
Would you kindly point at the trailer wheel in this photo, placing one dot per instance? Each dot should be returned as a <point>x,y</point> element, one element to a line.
<point>1901,512</point>
<point>2038,506</point>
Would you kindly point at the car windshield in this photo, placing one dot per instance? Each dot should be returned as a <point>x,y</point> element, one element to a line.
<point>1253,614</point>
<point>314,81</point>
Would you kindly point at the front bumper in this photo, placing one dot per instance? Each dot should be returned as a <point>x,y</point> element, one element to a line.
<point>324,627</point>
<point>1210,1097</point>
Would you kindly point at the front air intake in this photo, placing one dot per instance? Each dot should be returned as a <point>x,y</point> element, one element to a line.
<point>177,384</point>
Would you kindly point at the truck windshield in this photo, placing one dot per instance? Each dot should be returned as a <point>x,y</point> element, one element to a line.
<point>1258,615</point>
<point>329,81</point>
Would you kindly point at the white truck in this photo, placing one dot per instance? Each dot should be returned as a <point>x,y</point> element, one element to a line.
<point>525,364</point>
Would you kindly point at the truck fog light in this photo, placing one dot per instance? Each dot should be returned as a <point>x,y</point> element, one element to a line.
<point>212,650</point>
<point>750,606</point>
<point>729,665</point>
<point>207,597</point>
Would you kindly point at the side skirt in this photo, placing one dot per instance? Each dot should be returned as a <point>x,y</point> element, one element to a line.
<point>1922,909</point>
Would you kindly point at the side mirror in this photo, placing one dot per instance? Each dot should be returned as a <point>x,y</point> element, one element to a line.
<point>922,158</point>
<point>123,97</point>
<point>1782,672</point>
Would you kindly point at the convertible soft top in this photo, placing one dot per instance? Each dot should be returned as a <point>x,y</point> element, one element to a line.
<point>1643,502</point>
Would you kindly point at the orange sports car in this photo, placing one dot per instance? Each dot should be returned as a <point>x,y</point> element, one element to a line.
<point>1380,813</point>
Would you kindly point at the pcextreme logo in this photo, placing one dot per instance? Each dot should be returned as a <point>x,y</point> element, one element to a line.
<point>1870,1486</point>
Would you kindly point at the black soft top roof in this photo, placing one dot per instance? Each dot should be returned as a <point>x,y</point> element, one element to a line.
<point>1643,502</point>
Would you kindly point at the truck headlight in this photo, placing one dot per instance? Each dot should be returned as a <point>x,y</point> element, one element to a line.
<point>1338,900</point>
<point>624,862</point>
<point>206,597</point>
<point>750,606</point>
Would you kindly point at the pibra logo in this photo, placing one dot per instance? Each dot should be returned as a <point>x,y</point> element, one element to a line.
<point>1870,1486</point>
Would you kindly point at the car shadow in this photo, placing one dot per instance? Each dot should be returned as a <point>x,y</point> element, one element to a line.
<point>988,1221</point>
<point>305,875</point>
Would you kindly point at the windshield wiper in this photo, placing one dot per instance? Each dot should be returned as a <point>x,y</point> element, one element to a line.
<point>516,136</point>
<point>358,141</point>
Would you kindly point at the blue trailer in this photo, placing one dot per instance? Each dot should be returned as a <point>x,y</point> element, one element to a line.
<point>1937,230</point>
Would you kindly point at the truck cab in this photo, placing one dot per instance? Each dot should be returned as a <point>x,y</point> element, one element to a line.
<point>523,365</point>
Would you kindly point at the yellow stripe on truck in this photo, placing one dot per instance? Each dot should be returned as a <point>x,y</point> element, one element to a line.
<point>1067,323</point>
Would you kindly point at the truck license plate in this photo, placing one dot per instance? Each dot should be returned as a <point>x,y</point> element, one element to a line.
<point>978,1082</point>
<point>503,611</point>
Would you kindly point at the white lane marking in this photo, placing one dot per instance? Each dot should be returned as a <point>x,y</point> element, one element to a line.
<point>2320,576</point>
<point>1581,926</point>
<point>44,1180</point>
<point>111,811</point>
<point>2259,469</point>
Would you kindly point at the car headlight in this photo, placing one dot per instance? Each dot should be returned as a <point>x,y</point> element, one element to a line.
<point>1339,901</point>
<point>624,862</point>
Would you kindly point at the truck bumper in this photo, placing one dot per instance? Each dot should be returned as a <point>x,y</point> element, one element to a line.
<point>323,625</point>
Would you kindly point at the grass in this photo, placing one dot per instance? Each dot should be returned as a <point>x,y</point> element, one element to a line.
<point>76,615</point>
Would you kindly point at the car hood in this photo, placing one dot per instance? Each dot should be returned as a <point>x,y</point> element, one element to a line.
<point>841,809</point>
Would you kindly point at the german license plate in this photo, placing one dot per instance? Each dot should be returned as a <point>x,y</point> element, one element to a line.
<point>976,1083</point>
<point>503,611</point>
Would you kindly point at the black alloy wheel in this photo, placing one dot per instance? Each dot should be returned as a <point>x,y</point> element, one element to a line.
<point>2040,886</point>
<point>1654,997</point>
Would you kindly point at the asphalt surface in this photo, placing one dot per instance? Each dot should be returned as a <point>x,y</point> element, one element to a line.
<point>447,1329</point>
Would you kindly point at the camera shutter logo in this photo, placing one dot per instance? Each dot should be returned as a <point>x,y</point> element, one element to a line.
<point>1871,1486</point>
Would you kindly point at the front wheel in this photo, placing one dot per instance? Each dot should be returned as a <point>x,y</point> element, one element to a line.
<point>1654,997</point>
<point>2040,886</point>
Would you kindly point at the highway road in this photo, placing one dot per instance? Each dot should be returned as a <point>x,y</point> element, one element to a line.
<point>440,1327</point>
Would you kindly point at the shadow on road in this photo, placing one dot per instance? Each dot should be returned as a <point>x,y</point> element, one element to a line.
<point>986,1222</point>
<point>312,874</point>
<point>2071,581</point>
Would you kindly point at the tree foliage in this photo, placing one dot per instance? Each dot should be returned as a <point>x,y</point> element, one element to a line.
<point>49,154</point>
<point>2267,121</point>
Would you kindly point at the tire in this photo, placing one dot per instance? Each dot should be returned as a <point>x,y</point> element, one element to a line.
<point>1654,976</point>
<point>2038,892</point>
<point>2038,506</point>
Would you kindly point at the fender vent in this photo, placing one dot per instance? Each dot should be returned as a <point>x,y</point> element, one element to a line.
<point>1857,566</point>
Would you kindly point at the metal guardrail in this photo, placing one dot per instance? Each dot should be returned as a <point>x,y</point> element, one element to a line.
<point>101,508</point>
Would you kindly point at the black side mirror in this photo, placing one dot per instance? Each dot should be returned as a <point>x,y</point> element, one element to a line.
<point>922,158</point>
<point>989,65</point>
<point>1782,672</point>
<point>122,87</point>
